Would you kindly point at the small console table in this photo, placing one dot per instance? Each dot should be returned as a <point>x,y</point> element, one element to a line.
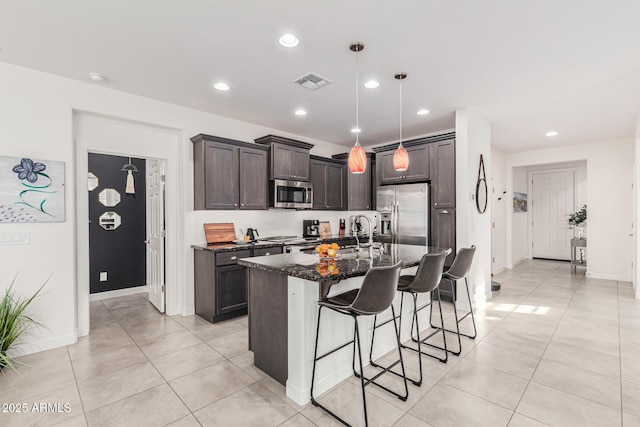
<point>578,247</point>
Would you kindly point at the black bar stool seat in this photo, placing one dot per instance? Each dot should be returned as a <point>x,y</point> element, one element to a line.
<point>374,296</point>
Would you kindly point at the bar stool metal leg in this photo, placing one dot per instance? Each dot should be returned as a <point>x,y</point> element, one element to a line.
<point>418,340</point>
<point>458,320</point>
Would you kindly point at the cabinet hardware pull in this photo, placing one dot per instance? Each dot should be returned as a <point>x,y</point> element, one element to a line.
<point>241,204</point>
<point>235,204</point>
<point>435,204</point>
<point>233,258</point>
<point>267,254</point>
<point>444,212</point>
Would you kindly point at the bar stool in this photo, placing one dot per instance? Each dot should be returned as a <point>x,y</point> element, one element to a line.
<point>374,296</point>
<point>459,270</point>
<point>426,279</point>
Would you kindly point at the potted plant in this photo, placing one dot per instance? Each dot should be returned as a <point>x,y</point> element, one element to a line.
<point>579,219</point>
<point>14,321</point>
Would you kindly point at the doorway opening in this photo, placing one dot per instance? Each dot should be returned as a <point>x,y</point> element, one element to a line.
<point>543,197</point>
<point>126,227</point>
<point>96,133</point>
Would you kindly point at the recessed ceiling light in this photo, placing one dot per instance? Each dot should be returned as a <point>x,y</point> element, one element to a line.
<point>551,133</point>
<point>422,112</point>
<point>371,84</point>
<point>356,130</point>
<point>221,86</point>
<point>289,40</point>
<point>301,112</point>
<point>96,77</point>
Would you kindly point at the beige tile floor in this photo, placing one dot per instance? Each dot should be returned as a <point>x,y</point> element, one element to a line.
<point>553,348</point>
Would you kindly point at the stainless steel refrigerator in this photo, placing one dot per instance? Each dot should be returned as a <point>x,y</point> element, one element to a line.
<point>403,213</point>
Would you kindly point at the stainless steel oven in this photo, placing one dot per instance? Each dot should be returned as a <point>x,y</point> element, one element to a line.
<point>290,194</point>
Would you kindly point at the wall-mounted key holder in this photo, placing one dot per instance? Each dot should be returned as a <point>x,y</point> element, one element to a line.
<point>110,221</point>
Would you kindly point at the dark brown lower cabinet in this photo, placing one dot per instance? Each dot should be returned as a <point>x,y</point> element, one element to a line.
<point>221,284</point>
<point>231,289</point>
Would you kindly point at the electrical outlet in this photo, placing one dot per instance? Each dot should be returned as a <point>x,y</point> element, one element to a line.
<point>103,276</point>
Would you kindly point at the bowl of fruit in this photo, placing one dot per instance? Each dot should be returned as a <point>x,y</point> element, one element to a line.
<point>327,267</point>
<point>327,250</point>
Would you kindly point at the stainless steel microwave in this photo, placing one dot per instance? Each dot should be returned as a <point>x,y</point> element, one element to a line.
<point>290,194</point>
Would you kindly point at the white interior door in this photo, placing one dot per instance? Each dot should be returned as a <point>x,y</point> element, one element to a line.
<point>552,201</point>
<point>155,233</point>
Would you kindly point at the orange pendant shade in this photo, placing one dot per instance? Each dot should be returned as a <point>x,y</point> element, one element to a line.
<point>357,159</point>
<point>401,159</point>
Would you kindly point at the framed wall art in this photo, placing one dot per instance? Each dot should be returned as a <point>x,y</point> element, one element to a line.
<point>519,202</point>
<point>31,190</point>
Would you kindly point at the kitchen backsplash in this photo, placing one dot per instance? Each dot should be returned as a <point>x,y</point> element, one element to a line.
<point>274,222</point>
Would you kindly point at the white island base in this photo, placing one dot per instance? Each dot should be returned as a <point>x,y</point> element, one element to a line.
<point>335,330</point>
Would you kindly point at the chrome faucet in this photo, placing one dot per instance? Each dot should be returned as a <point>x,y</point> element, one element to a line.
<point>370,244</point>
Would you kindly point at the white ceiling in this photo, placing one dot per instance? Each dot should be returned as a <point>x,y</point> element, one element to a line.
<point>528,65</point>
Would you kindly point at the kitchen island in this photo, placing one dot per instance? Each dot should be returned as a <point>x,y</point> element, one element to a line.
<point>283,302</point>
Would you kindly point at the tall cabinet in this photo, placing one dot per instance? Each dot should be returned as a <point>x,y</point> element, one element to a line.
<point>443,193</point>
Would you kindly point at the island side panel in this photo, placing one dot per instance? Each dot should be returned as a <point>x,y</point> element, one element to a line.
<point>269,322</point>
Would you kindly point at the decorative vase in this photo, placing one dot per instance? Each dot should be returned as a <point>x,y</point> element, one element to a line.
<point>580,232</point>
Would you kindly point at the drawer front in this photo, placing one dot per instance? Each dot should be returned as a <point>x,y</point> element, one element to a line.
<point>267,251</point>
<point>227,258</point>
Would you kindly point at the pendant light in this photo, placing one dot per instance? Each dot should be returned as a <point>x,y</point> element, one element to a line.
<point>401,157</point>
<point>357,156</point>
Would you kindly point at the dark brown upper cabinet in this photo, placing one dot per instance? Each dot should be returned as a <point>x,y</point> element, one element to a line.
<point>360,188</point>
<point>229,174</point>
<point>329,181</point>
<point>418,170</point>
<point>443,173</point>
<point>288,158</point>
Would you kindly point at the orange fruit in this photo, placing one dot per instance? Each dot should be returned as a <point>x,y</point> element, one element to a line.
<point>334,246</point>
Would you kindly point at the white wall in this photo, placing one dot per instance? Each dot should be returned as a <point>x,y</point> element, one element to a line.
<point>636,213</point>
<point>473,138</point>
<point>519,234</point>
<point>37,111</point>
<point>609,195</point>
<point>500,202</point>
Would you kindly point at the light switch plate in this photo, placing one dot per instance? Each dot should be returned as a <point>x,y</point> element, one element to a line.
<point>103,276</point>
<point>14,238</point>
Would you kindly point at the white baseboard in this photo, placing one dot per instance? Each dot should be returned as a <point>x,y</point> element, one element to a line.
<point>607,276</point>
<point>118,293</point>
<point>302,396</point>
<point>44,344</point>
<point>188,311</point>
<point>499,270</point>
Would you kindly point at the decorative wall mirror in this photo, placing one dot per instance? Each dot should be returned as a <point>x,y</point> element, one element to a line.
<point>92,181</point>
<point>109,197</point>
<point>481,188</point>
<point>110,221</point>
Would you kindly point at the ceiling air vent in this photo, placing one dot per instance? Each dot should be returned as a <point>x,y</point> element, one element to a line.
<point>312,81</point>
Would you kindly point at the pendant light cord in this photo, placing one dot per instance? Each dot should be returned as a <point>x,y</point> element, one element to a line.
<point>401,113</point>
<point>357,97</point>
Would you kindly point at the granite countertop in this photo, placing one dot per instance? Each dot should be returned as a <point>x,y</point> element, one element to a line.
<point>231,247</point>
<point>310,267</point>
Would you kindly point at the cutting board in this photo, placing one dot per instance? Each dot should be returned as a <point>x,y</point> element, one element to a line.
<point>220,232</point>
